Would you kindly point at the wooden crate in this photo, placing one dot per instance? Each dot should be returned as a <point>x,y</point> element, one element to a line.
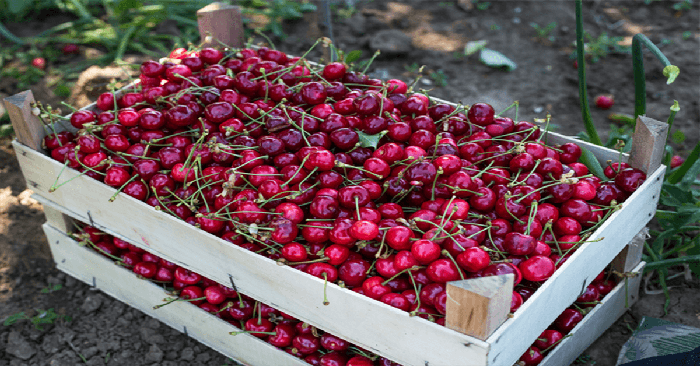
<point>373,325</point>
<point>97,271</point>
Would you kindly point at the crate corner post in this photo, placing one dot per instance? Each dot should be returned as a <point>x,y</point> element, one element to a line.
<point>647,153</point>
<point>478,306</point>
<point>223,22</point>
<point>28,127</point>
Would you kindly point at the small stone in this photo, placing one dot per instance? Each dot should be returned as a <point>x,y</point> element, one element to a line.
<point>151,336</point>
<point>203,357</point>
<point>53,280</point>
<point>187,354</point>
<point>390,42</point>
<point>19,347</point>
<point>171,355</point>
<point>51,344</point>
<point>70,281</point>
<point>153,323</point>
<point>154,354</point>
<point>96,361</point>
<point>89,352</point>
<point>92,303</point>
<point>538,109</point>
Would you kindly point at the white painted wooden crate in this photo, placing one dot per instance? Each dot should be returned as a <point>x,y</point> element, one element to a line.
<point>96,270</point>
<point>371,324</point>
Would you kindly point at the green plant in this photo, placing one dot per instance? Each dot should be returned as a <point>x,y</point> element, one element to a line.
<point>482,5</point>
<point>116,26</point>
<point>42,317</point>
<point>597,48</point>
<point>438,77</point>
<point>683,5</point>
<point>677,241</point>
<point>50,289</point>
<point>276,11</point>
<point>546,31</point>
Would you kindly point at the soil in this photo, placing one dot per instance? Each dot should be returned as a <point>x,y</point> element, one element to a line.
<point>104,331</point>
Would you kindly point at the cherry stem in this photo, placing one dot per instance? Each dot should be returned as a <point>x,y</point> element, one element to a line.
<point>325,285</point>
<point>448,255</point>
<point>172,300</point>
<point>412,268</point>
<point>251,332</point>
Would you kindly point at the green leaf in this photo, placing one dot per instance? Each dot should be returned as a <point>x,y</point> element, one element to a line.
<point>473,47</point>
<point>353,56</point>
<point>671,72</point>
<point>496,59</point>
<point>6,130</point>
<point>370,140</point>
<point>590,161</point>
<point>688,170</point>
<point>674,195</point>
<point>307,7</point>
<point>678,137</point>
<point>12,319</point>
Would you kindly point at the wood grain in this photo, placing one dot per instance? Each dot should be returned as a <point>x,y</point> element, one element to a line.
<point>648,144</point>
<point>28,128</point>
<point>478,306</point>
<point>223,22</point>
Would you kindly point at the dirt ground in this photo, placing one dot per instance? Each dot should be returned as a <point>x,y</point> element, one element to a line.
<point>106,332</point>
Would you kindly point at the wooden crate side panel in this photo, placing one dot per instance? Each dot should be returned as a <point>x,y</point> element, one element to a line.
<point>301,295</point>
<point>517,334</point>
<point>120,283</point>
<point>596,322</point>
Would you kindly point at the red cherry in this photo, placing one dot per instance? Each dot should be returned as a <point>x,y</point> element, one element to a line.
<point>604,101</point>
<point>537,268</point>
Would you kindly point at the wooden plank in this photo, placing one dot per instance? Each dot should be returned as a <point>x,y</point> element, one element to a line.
<point>28,127</point>
<point>621,298</point>
<point>575,274</point>
<point>120,283</point>
<point>292,291</point>
<point>648,144</point>
<point>478,306</point>
<point>223,23</point>
<point>56,218</point>
<point>631,255</point>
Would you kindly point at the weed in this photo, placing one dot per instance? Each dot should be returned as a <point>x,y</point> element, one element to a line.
<point>50,289</point>
<point>412,68</point>
<point>686,35</point>
<point>495,27</point>
<point>546,31</point>
<point>597,48</point>
<point>482,5</point>
<point>277,11</point>
<point>584,359</point>
<point>438,77</point>
<point>42,317</point>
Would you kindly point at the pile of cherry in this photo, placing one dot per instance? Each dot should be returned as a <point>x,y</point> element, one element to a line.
<point>350,179</point>
<point>288,333</point>
<point>263,321</point>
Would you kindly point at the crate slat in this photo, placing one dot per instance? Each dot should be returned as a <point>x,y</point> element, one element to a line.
<point>123,285</point>
<point>621,298</point>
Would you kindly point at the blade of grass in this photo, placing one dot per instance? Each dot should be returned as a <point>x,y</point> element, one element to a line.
<point>582,89</point>
<point>671,262</point>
